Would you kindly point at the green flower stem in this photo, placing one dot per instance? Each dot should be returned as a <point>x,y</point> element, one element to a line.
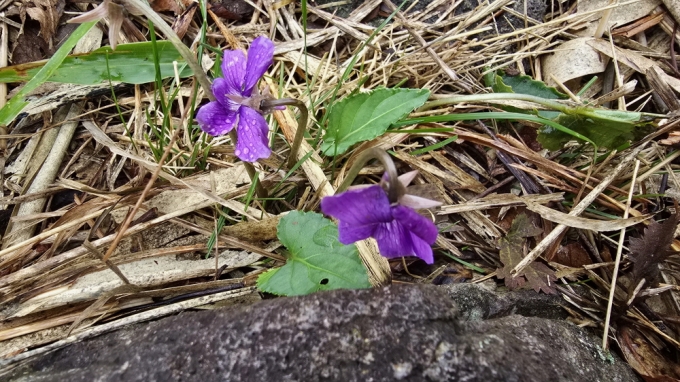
<point>496,97</point>
<point>583,110</point>
<point>394,190</point>
<point>302,123</point>
<point>200,75</point>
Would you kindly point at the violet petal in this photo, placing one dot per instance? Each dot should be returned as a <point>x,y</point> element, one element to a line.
<point>260,57</point>
<point>253,140</point>
<point>221,89</point>
<point>349,233</point>
<point>215,119</point>
<point>422,249</point>
<point>359,207</point>
<point>416,223</point>
<point>359,212</point>
<point>394,240</point>
<point>234,71</point>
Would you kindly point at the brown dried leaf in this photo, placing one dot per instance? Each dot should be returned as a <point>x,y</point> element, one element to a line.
<point>47,13</point>
<point>572,255</point>
<point>253,231</point>
<point>651,249</point>
<point>673,139</point>
<point>644,358</point>
<point>583,223</point>
<point>231,9</point>
<point>181,24</point>
<point>539,276</point>
<point>165,5</point>
<point>29,47</point>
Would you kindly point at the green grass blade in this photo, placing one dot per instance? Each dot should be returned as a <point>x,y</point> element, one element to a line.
<point>17,103</point>
<point>435,146</point>
<point>494,115</point>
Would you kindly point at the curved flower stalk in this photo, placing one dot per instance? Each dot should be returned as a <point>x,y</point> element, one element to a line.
<point>116,13</point>
<point>238,103</point>
<point>384,212</point>
<point>280,104</point>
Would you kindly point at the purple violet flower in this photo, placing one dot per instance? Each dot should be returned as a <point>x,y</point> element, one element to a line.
<point>365,211</point>
<point>238,101</point>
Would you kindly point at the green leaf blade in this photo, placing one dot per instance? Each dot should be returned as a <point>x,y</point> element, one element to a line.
<point>17,103</point>
<point>600,127</point>
<point>317,260</point>
<point>130,63</point>
<point>364,116</point>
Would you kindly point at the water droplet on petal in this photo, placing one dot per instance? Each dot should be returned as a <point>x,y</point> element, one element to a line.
<point>237,152</point>
<point>245,151</point>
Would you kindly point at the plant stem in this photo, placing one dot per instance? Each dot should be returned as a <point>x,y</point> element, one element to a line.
<point>395,188</point>
<point>302,123</point>
<point>199,74</point>
<point>495,97</point>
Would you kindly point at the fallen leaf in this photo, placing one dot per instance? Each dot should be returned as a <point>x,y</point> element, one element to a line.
<point>231,9</point>
<point>538,275</point>
<point>673,139</point>
<point>633,60</point>
<point>648,251</point>
<point>29,47</point>
<point>644,358</point>
<point>572,59</point>
<point>620,15</point>
<point>165,5</point>
<point>572,255</point>
<point>47,13</point>
<point>254,230</point>
<point>181,24</point>
<point>583,223</point>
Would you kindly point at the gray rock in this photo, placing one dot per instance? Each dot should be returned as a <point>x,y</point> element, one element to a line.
<point>409,333</point>
<point>479,302</point>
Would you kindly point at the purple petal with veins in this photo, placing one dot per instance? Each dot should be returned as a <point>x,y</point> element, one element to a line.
<point>365,211</point>
<point>233,71</point>
<point>260,58</point>
<point>393,239</point>
<point>351,206</point>
<point>222,90</point>
<point>253,140</point>
<point>234,106</point>
<point>416,223</point>
<point>422,249</point>
<point>215,120</point>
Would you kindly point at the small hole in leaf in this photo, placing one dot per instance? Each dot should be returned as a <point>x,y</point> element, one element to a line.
<point>323,281</point>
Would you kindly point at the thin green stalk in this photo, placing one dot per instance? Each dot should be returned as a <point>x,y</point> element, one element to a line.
<point>394,190</point>
<point>552,104</point>
<point>302,123</point>
<point>493,115</point>
<point>495,97</point>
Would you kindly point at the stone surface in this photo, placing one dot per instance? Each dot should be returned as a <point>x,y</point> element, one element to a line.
<point>409,333</point>
<point>480,302</point>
